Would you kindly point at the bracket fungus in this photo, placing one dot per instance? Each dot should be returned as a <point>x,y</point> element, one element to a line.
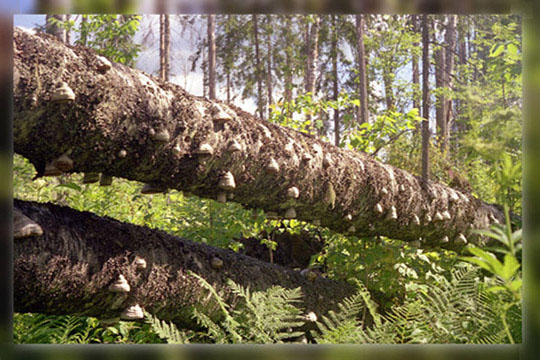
<point>62,94</point>
<point>351,229</point>
<point>230,196</point>
<point>176,149</point>
<point>234,146</point>
<point>316,222</point>
<point>273,166</point>
<point>161,136</point>
<point>90,178</point>
<point>24,227</point>
<point>105,180</point>
<point>51,170</point>
<point>427,218</point>
<point>461,239</point>
<point>222,197</point>
<point>415,220</point>
<point>401,187</point>
<point>348,217</point>
<point>204,149</point>
<point>153,188</point>
<point>122,153</point>
<point>216,263</point>
<point>120,285</point>
<point>63,163</point>
<point>392,213</point>
<point>140,263</point>
<point>384,191</point>
<point>446,215</point>
<point>103,64</point>
<point>293,192</point>
<point>133,312</point>
<point>378,209</point>
<point>290,213</point>
<point>306,157</point>
<point>445,239</point>
<point>311,317</point>
<point>227,181</point>
<point>220,115</point>
<point>438,217</point>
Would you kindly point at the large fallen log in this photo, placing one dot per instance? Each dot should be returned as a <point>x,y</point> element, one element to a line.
<point>72,262</point>
<point>74,106</point>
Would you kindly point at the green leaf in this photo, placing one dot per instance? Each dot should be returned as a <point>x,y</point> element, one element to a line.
<point>70,185</point>
<point>496,50</point>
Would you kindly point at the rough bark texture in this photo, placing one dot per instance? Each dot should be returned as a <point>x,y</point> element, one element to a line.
<point>425,98</point>
<point>258,69</point>
<point>269,87</point>
<point>211,57</point>
<point>164,46</point>
<point>361,54</point>
<point>346,190</point>
<point>450,40</point>
<point>69,268</point>
<point>335,80</point>
<point>440,102</point>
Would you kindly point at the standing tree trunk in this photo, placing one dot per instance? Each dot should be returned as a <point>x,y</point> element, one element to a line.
<point>415,67</point>
<point>440,113</point>
<point>84,30</point>
<point>334,54</point>
<point>52,27</point>
<point>425,97</point>
<point>363,115</point>
<point>450,40</point>
<point>288,66</point>
<point>462,46</point>
<point>269,63</point>
<point>258,70</point>
<point>211,57</point>
<point>164,47</point>
<point>312,46</point>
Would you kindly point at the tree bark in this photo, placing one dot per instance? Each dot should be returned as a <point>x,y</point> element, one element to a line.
<point>440,108</point>
<point>124,108</point>
<point>269,88</point>
<point>258,70</point>
<point>164,47</point>
<point>211,57</point>
<point>362,85</point>
<point>68,270</point>
<point>450,40</point>
<point>312,46</point>
<point>425,98</point>
<point>415,67</point>
<point>335,79</point>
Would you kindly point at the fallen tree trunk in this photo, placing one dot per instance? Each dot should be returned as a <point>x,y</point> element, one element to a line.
<point>67,262</point>
<point>127,124</point>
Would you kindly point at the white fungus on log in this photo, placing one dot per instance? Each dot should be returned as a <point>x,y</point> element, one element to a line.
<point>62,94</point>
<point>273,166</point>
<point>120,285</point>
<point>51,170</point>
<point>392,213</point>
<point>216,263</point>
<point>63,163</point>
<point>227,181</point>
<point>378,209</point>
<point>293,192</point>
<point>140,263</point>
<point>133,312</point>
<point>24,227</point>
<point>90,178</point>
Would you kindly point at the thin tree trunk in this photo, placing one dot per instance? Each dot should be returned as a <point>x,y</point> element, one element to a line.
<point>269,88</point>
<point>211,57</point>
<point>258,70</point>
<point>450,40</point>
<point>415,67</point>
<point>68,32</point>
<point>288,62</point>
<point>68,270</point>
<point>425,98</point>
<point>84,30</point>
<point>312,46</point>
<point>440,113</point>
<point>164,47</point>
<point>363,115</point>
<point>335,79</point>
<point>124,110</point>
